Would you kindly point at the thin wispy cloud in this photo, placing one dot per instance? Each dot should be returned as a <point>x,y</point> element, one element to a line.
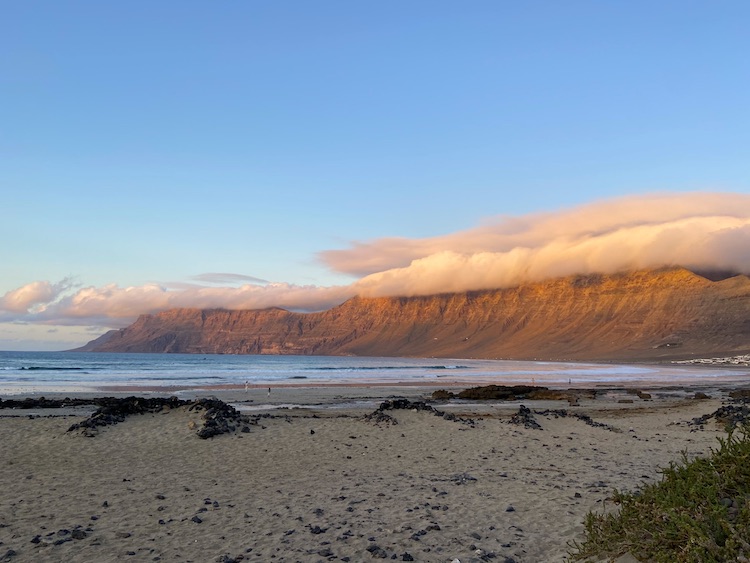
<point>227,278</point>
<point>696,230</point>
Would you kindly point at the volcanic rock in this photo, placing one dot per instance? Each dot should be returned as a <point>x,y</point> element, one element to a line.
<point>525,417</point>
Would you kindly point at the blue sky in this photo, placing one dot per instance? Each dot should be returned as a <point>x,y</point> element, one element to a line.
<point>147,143</point>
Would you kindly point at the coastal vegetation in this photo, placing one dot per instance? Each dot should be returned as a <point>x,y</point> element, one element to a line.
<point>698,512</point>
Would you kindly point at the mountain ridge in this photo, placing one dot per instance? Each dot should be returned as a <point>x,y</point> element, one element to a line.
<point>648,314</point>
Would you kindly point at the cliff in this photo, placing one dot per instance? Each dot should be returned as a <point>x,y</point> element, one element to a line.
<point>639,315</point>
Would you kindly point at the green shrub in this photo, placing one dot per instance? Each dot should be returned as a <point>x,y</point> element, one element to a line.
<point>699,512</point>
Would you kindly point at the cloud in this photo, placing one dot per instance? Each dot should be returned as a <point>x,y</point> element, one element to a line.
<point>227,278</point>
<point>34,294</point>
<point>702,243</point>
<point>112,305</point>
<point>695,230</point>
<point>556,230</point>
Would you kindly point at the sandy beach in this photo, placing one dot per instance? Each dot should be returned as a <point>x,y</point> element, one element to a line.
<point>320,481</point>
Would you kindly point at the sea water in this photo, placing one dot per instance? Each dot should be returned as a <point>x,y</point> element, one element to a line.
<point>70,372</point>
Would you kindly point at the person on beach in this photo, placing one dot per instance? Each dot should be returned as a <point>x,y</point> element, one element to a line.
<point>269,391</point>
<point>247,384</point>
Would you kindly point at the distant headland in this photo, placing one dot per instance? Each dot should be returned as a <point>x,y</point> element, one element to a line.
<point>652,315</point>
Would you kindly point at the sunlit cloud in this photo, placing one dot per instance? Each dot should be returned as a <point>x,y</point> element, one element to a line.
<point>702,231</point>
<point>33,295</point>
<point>112,305</point>
<point>564,230</point>
<point>719,244</point>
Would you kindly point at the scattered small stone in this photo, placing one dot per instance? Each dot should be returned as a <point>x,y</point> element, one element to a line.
<point>196,519</point>
<point>463,478</point>
<point>377,552</point>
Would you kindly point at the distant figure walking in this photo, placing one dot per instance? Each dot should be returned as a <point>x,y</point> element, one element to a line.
<point>269,391</point>
<point>247,385</point>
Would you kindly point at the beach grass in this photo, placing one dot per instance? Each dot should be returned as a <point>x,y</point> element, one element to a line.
<point>698,512</point>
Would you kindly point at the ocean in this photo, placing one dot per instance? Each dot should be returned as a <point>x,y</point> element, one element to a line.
<point>70,372</point>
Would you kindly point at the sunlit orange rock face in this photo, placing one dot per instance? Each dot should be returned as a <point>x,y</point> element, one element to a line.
<point>671,313</point>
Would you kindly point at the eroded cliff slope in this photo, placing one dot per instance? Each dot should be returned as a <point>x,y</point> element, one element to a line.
<point>640,315</point>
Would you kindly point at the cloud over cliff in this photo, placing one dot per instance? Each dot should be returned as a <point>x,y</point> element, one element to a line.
<point>698,231</point>
<point>704,231</point>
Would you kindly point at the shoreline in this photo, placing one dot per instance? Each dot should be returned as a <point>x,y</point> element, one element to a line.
<point>554,374</point>
<point>330,391</point>
<point>725,381</point>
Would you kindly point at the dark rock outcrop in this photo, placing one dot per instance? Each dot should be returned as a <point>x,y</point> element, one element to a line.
<point>500,392</point>
<point>380,416</point>
<point>524,417</point>
<point>218,417</point>
<point>113,410</point>
<point>729,416</point>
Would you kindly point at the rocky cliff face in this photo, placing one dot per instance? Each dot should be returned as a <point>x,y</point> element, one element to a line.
<point>641,315</point>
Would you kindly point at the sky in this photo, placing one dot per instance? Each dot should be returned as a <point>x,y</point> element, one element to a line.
<point>293,153</point>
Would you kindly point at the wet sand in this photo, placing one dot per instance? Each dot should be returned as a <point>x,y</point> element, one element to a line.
<point>318,481</point>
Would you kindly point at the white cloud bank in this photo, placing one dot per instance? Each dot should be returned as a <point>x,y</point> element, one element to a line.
<point>695,230</point>
<point>114,306</point>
